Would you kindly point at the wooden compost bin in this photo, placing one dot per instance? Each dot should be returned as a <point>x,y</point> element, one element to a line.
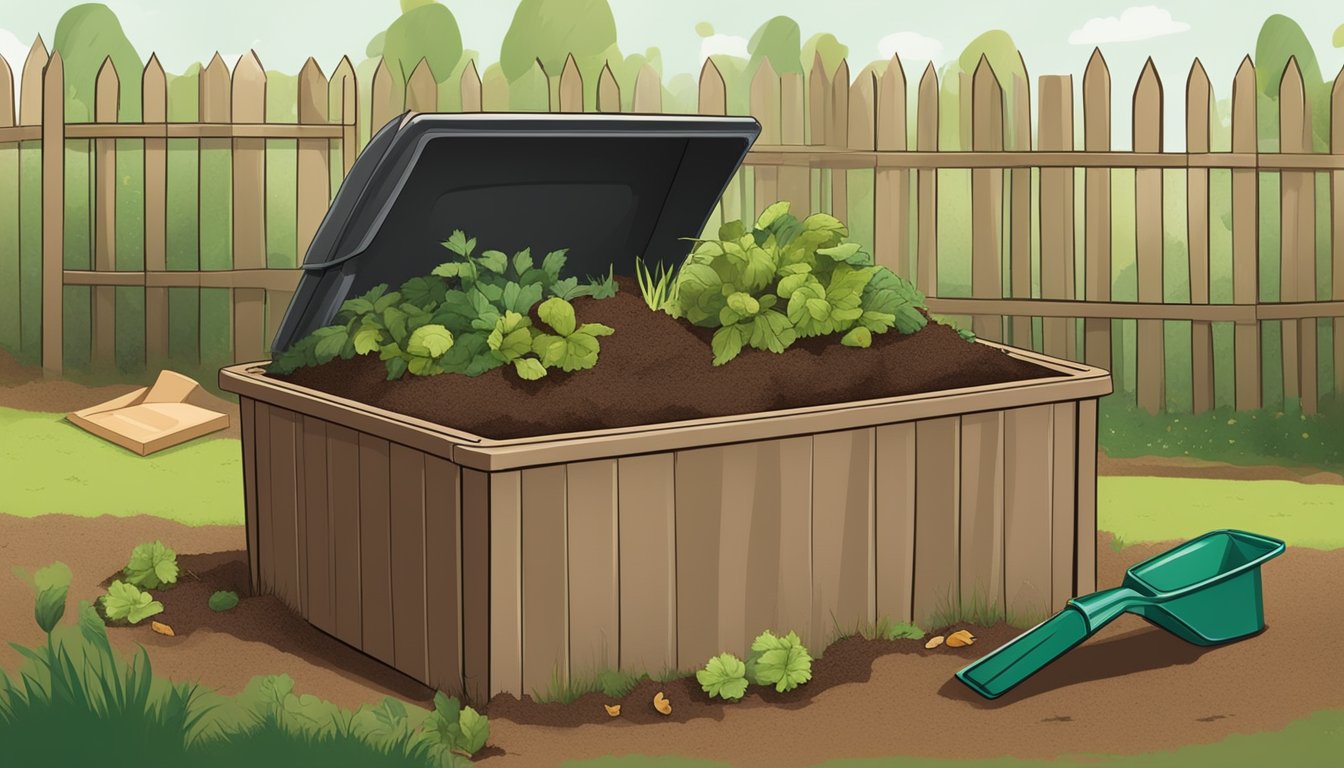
<point>483,566</point>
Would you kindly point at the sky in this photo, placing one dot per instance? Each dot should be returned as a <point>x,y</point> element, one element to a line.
<point>1054,37</point>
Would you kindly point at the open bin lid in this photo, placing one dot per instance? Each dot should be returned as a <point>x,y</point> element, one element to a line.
<point>609,188</point>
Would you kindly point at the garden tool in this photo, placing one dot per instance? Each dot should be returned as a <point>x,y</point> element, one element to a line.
<point>1205,591</point>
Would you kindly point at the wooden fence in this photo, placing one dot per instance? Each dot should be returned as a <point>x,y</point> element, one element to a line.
<point>820,132</point>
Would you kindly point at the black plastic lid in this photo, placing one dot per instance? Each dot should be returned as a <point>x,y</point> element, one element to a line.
<point>609,188</point>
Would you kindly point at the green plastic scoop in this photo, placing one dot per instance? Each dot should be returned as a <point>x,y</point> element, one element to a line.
<point>1206,591</point>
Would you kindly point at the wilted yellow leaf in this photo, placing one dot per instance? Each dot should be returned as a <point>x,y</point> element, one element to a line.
<point>661,703</point>
<point>934,642</point>
<point>612,709</point>
<point>162,629</point>
<point>959,638</point>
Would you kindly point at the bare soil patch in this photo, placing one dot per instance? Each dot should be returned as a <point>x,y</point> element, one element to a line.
<point>658,369</point>
<point>1187,466</point>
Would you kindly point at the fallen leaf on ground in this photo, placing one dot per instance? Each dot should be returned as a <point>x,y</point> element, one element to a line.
<point>162,629</point>
<point>612,709</point>
<point>661,704</point>
<point>959,638</point>
<point>934,642</point>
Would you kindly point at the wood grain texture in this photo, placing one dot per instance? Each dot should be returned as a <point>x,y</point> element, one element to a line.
<point>343,491</point>
<point>926,140</point>
<point>506,587</point>
<point>1063,502</point>
<point>313,179</point>
<point>571,86</point>
<point>982,517</point>
<point>646,494</point>
<point>1085,557</point>
<point>154,100</point>
<point>476,585</point>
<point>795,184</point>
<point>1056,133</point>
<point>1027,513</point>
<point>795,534</point>
<point>410,642</point>
<point>1097,201</point>
<point>1245,237</point>
<point>265,499</point>
<point>375,549</point>
<point>285,469</point>
<point>594,567</point>
<point>764,99</point>
<point>1297,250</point>
<point>545,579</point>
<point>894,521</point>
<point>843,598</point>
<point>1337,227</point>
<point>700,513</point>
<point>1148,215</point>
<point>320,565</point>
<point>107,92</point>
<point>1020,208</point>
<point>443,574</point>
<point>987,199</point>
<point>249,207</point>
<point>248,431</point>
<point>1198,96</point>
<point>53,213</point>
<point>891,188</point>
<point>937,518</point>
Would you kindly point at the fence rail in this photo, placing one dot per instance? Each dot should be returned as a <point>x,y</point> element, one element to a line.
<point>929,175</point>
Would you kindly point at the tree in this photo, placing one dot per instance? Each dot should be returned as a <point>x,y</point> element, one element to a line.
<point>777,40</point>
<point>427,31</point>
<point>1280,39</point>
<point>86,35</point>
<point>832,52</point>
<point>550,30</point>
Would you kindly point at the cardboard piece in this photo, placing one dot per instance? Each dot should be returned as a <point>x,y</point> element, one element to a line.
<point>169,413</point>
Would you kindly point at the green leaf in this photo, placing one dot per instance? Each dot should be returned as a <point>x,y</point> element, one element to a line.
<point>844,252</point>
<point>569,289</point>
<point>966,334</point>
<point>471,355</point>
<point>858,336</point>
<point>529,368</point>
<point>395,368</point>
<point>522,261</point>
<point>430,341</point>
<point>387,300</point>
<point>223,601</point>
<point>779,661</point>
<point>558,314</point>
<point>421,291</point>
<point>772,331</point>
<point>553,263</point>
<point>724,676</point>
<point>459,244</point>
<point>125,601</point>
<point>369,337</point>
<point>495,261</point>
<point>423,366</point>
<point>330,341</point>
<point>520,298</point>
<point>727,343</point>
<point>512,337</point>
<point>394,320</point>
<point>152,565</point>
<point>772,212</point>
<point>595,329</point>
<point>475,730</point>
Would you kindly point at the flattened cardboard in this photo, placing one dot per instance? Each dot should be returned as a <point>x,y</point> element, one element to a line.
<point>153,418</point>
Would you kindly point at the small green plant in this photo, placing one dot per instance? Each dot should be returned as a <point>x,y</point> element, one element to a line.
<point>467,316</point>
<point>655,287</point>
<point>784,279</point>
<point>724,676</point>
<point>223,601</point>
<point>51,585</point>
<point>152,566</point>
<point>125,601</point>
<point>455,728</point>
<point>779,661</point>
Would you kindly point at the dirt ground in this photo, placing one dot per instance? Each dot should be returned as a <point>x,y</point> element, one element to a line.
<point>1131,689</point>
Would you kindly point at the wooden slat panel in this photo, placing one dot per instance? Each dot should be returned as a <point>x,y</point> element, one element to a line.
<point>700,513</point>
<point>754,509</point>
<point>1020,209</point>
<point>838,132</point>
<point>795,184</point>
<point>506,587</point>
<point>1245,237</point>
<point>314,158</point>
<point>321,566</point>
<point>265,500</point>
<point>648,96</point>
<point>343,494</point>
<point>1298,241</point>
<point>107,92</point>
<point>386,98</point>
<point>647,497</point>
<point>301,514</point>
<point>594,567</point>
<point>609,92</point>
<point>375,548</point>
<point>1064,502</point>
<point>248,428</point>
<point>421,91</point>
<point>894,514</point>
<point>154,95</point>
<point>1097,200</point>
<point>987,200</point>
<point>1027,513</point>
<point>1337,227</point>
<point>1148,215</point>
<point>571,86</point>
<point>343,90</point>
<point>53,213</point>
<point>10,268</point>
<point>443,573</point>
<point>937,519</point>
<point>1197,98</point>
<point>1056,133</point>
<point>926,138</point>
<point>891,188</point>
<point>818,103</point>
<point>476,585</point>
<point>843,598</point>
<point>545,579</point>
<point>249,207</point>
<point>410,645</point>
<point>795,537</point>
<point>1085,558</point>
<point>765,108</point>
<point>982,519</point>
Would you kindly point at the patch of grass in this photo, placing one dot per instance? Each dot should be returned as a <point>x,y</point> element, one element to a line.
<point>50,466</point>
<point>1147,509</point>
<point>1288,437</point>
<point>610,682</point>
<point>886,629</point>
<point>1308,743</point>
<point>655,285</point>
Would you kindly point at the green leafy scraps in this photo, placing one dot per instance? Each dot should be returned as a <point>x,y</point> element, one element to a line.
<point>724,676</point>
<point>126,601</point>
<point>152,566</point>
<point>223,601</point>
<point>779,661</point>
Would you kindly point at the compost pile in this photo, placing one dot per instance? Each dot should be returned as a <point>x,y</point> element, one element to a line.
<point>656,368</point>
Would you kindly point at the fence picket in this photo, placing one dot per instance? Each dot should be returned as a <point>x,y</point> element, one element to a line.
<point>1020,210</point>
<point>608,91</point>
<point>1197,98</point>
<point>422,92</point>
<point>795,183</point>
<point>29,204</point>
<point>1337,225</point>
<point>818,102</point>
<point>154,109</point>
<point>838,131</point>
<point>765,108</point>
<point>312,181</point>
<point>891,186</point>
<point>926,140</point>
<point>387,100</point>
<point>10,319</point>
<point>571,86</point>
<point>470,85</point>
<point>986,119</point>
<point>106,101</point>
<point>53,215</point>
<point>712,99</point>
<point>1056,134</point>
<point>1148,222</point>
<point>648,96</point>
<point>1097,201</point>
<point>1297,229</point>
<point>249,208</point>
<point>1245,237</point>
<point>343,82</point>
